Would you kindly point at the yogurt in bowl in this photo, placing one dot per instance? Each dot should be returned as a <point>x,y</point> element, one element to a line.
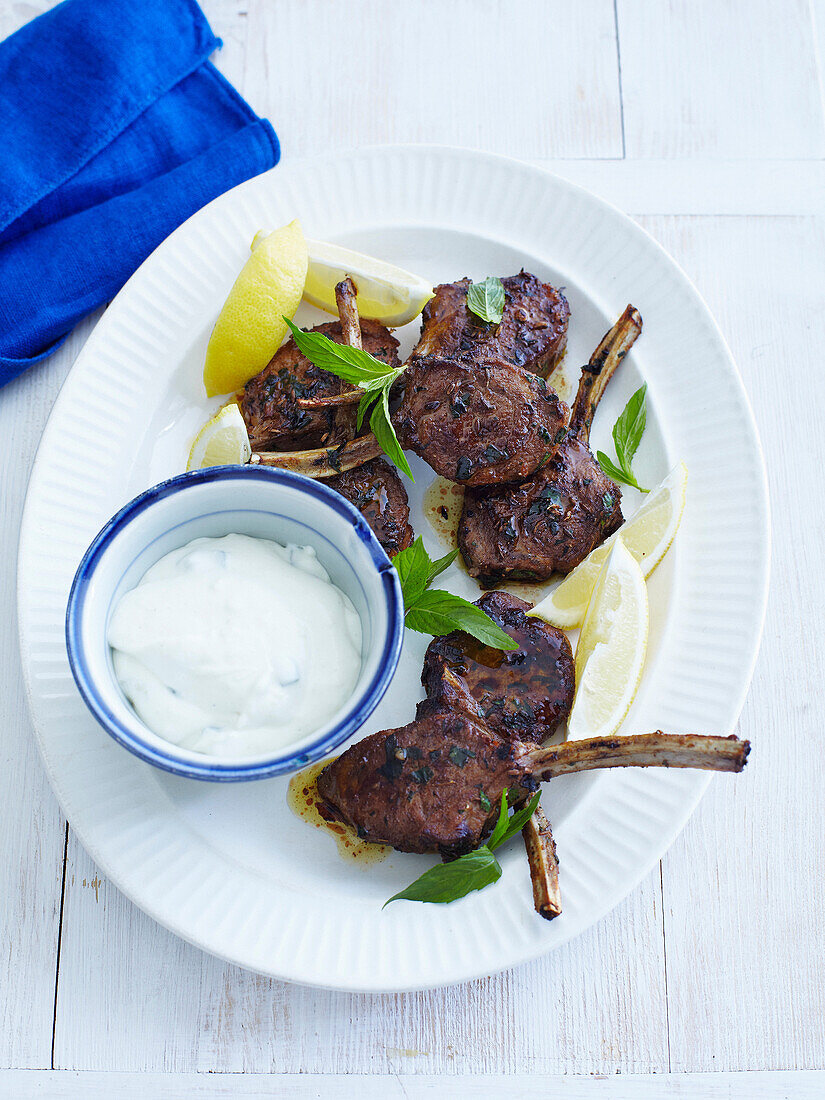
<point>234,623</point>
<point>236,645</point>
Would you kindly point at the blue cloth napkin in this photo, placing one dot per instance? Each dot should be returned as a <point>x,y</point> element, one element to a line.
<point>114,128</point>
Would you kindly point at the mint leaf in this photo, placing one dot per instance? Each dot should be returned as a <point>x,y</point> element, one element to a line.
<point>609,466</point>
<point>438,567</point>
<point>486,300</point>
<point>449,881</point>
<point>364,406</point>
<point>413,566</point>
<point>626,477</point>
<point>627,435</point>
<point>514,824</point>
<point>473,871</point>
<point>437,612</point>
<point>629,428</point>
<point>352,364</point>
<point>501,825</point>
<point>384,432</point>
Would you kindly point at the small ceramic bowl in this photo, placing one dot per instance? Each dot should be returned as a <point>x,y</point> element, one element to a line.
<point>248,500</point>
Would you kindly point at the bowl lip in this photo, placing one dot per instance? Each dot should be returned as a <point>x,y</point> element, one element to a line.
<point>212,769</point>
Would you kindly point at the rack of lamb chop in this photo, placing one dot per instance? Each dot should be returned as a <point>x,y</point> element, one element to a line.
<point>475,403</point>
<point>550,522</point>
<point>532,332</point>
<point>435,785</point>
<point>293,403</point>
<point>523,694</point>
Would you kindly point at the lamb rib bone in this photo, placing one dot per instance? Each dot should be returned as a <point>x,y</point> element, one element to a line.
<point>600,368</point>
<point>544,865</point>
<point>646,750</point>
<point>325,461</point>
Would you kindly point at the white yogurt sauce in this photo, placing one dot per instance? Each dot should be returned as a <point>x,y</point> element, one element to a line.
<point>235,646</point>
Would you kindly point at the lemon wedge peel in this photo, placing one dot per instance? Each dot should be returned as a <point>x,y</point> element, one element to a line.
<point>648,535</point>
<point>222,441</point>
<point>385,293</point>
<point>250,327</point>
<point>610,654</point>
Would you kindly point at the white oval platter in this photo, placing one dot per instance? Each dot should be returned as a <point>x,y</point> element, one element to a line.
<point>230,867</point>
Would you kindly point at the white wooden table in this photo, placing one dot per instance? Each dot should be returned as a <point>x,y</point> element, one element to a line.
<point>704,120</point>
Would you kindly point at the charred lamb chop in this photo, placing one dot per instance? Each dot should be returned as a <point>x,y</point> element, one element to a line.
<point>475,404</point>
<point>272,402</point>
<point>479,424</point>
<point>352,466</point>
<point>524,693</point>
<point>552,521</point>
<point>435,785</point>
<point>378,493</point>
<point>532,332</point>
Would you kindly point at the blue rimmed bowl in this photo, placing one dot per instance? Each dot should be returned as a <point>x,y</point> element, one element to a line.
<point>248,500</point>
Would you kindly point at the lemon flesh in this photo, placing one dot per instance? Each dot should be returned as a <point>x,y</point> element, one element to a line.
<point>251,327</point>
<point>384,293</point>
<point>647,535</point>
<point>610,654</point>
<point>222,441</point>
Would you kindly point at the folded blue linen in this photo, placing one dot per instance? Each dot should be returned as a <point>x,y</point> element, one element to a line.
<point>114,128</point>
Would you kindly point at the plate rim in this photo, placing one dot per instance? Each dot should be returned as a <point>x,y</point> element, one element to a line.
<point>692,791</point>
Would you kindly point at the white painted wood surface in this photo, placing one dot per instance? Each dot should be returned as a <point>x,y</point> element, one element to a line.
<point>704,119</point>
<point>68,1085</point>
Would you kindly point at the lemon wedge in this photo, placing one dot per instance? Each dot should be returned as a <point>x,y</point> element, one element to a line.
<point>610,654</point>
<point>222,441</point>
<point>250,327</point>
<point>385,293</point>
<point>647,535</point>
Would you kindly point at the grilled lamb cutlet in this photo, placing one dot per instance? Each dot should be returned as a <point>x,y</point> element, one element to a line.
<point>552,521</point>
<point>523,693</point>
<point>352,467</point>
<point>269,402</point>
<point>479,424</point>
<point>532,333</point>
<point>377,492</point>
<point>435,785</point>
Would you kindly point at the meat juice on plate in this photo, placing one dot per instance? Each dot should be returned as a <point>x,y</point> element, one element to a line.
<point>304,800</point>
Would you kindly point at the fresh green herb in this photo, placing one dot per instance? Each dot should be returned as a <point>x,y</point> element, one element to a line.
<point>463,468</point>
<point>459,756</point>
<point>450,881</point>
<point>440,564</point>
<point>627,435</point>
<point>439,612</point>
<point>361,369</point>
<point>506,828</point>
<point>433,611</point>
<point>486,300</point>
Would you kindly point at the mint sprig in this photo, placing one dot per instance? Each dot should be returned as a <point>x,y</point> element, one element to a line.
<point>358,367</point>
<point>448,882</point>
<point>486,300</point>
<point>627,435</point>
<point>434,611</point>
